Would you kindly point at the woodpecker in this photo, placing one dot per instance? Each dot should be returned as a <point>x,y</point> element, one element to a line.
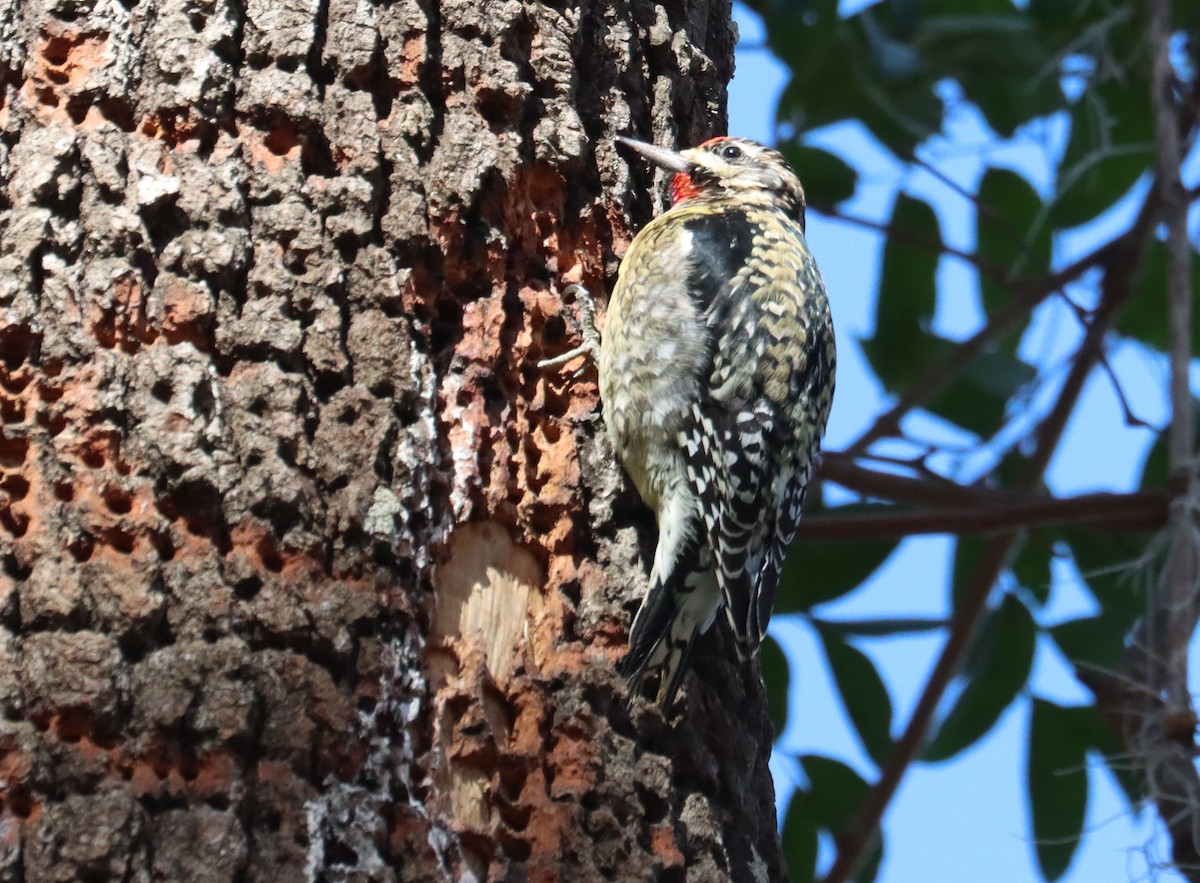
<point>716,373</point>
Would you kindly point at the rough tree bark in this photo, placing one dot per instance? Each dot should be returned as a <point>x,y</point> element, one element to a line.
<point>306,571</point>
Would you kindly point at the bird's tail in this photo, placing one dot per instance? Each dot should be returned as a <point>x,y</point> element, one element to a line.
<point>665,629</point>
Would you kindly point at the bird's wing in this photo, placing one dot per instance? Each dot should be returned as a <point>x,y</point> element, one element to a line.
<point>750,437</point>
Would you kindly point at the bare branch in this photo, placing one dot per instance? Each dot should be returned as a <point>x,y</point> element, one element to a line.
<point>1137,511</point>
<point>1179,252</point>
<point>841,469</point>
<point>852,844</point>
<point>1131,419</point>
<point>887,626</point>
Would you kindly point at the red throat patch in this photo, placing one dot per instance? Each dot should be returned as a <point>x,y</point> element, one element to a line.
<point>683,187</point>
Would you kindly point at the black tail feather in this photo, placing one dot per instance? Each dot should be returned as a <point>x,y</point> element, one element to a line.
<point>650,627</point>
<point>654,648</point>
<point>667,697</point>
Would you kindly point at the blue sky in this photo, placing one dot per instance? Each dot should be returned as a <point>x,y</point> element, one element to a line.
<point>967,818</point>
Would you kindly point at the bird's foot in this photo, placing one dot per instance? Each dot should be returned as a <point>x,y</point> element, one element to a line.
<point>591,337</point>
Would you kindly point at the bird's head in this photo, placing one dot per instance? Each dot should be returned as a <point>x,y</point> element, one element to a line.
<point>728,168</point>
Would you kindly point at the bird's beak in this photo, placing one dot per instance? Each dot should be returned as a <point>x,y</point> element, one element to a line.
<point>660,156</point>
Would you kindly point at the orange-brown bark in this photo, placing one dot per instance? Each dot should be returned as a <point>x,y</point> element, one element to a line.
<point>306,571</point>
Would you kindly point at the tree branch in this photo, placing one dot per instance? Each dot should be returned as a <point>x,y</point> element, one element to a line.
<point>974,598</point>
<point>841,469</point>
<point>852,845</point>
<point>1147,510</point>
<point>1151,701</point>
<point>1179,251</point>
<point>940,375</point>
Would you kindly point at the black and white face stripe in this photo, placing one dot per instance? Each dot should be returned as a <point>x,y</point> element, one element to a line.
<point>725,166</point>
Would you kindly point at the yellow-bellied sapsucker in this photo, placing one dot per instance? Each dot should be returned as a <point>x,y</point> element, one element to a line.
<point>716,378</point>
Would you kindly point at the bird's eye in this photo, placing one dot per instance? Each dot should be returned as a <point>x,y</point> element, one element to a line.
<point>731,151</point>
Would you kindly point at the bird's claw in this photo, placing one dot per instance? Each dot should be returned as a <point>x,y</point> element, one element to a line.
<point>591,337</point>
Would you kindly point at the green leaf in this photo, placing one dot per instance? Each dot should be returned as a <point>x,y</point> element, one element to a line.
<point>1013,233</point>
<point>776,678</point>
<point>1069,15</point>
<point>863,694</point>
<point>904,17</point>
<point>907,293</point>
<point>894,59</point>
<point>1145,319</point>
<point>1010,472</point>
<point>1115,567</point>
<point>869,75</point>
<point>978,399</point>
<point>820,572</point>
<point>1115,34</point>
<point>837,792</point>
<point>1000,59</point>
<point>886,64</point>
<point>996,669</point>
<point>827,178</point>
<point>1156,468</point>
<point>1058,785</point>
<point>977,9</point>
<point>1031,567</point>
<point>799,838</point>
<point>868,868</point>
<point>1111,146</point>
<point>787,21</point>
<point>1093,641</point>
<point>833,801</point>
<point>903,348</point>
<point>1006,105</point>
<point>1099,737</point>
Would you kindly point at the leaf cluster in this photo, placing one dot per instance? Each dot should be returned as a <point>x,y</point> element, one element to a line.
<point>899,69</point>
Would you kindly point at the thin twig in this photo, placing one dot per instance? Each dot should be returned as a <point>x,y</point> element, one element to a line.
<point>938,376</point>
<point>1131,419</point>
<point>899,234</point>
<point>983,210</point>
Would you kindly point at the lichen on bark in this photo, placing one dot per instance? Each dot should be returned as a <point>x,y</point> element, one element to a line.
<point>306,572</point>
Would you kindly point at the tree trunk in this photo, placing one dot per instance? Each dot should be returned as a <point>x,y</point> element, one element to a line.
<point>306,571</point>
